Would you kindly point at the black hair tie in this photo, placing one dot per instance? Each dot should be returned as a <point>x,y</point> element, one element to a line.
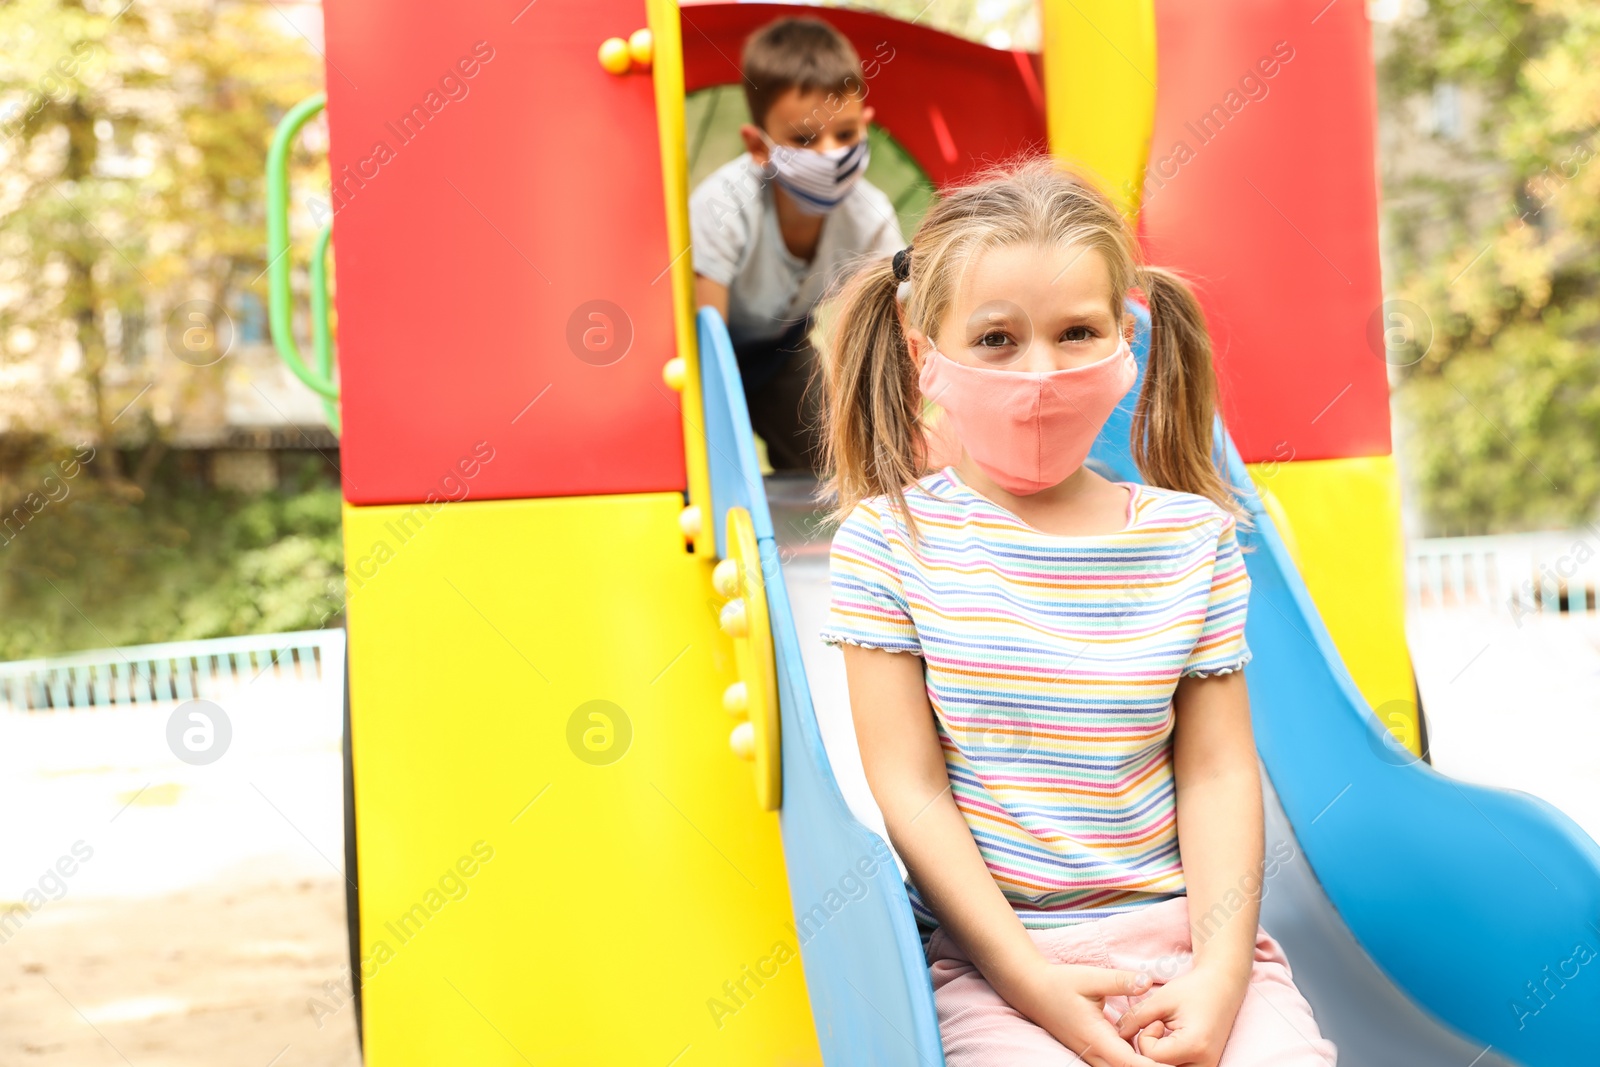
<point>902,264</point>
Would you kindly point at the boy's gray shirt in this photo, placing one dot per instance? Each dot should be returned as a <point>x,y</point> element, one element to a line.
<point>733,224</point>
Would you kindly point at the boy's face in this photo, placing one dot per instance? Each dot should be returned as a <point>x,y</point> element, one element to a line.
<point>817,120</point>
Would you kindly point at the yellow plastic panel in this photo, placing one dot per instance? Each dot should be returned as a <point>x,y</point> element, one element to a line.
<point>536,698</point>
<point>1100,90</point>
<point>666,30</point>
<point>758,736</point>
<point>1344,518</point>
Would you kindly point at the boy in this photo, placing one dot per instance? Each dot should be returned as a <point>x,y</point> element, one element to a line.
<point>775,228</point>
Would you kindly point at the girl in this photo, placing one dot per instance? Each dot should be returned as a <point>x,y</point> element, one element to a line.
<point>1076,644</point>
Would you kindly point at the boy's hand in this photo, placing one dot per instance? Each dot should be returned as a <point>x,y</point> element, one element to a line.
<point>1068,1001</point>
<point>708,293</point>
<point>1187,1020</point>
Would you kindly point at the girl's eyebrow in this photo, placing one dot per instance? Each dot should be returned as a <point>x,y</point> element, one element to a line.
<point>994,306</point>
<point>989,321</point>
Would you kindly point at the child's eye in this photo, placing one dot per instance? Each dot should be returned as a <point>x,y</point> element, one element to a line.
<point>1077,333</point>
<point>994,339</point>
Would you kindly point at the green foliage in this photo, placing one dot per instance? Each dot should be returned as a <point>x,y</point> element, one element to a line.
<point>102,564</point>
<point>1509,428</point>
<point>1500,417</point>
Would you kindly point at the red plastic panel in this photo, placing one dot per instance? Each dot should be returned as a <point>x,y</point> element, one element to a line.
<point>1272,208</point>
<point>953,104</point>
<point>525,185</point>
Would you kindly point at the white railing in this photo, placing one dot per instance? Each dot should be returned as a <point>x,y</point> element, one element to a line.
<point>1507,574</point>
<point>183,670</point>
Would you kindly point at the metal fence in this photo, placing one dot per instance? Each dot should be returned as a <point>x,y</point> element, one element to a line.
<point>183,670</point>
<point>1510,574</point>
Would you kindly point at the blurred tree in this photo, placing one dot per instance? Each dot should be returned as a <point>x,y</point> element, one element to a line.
<point>133,141</point>
<point>1502,416</point>
<point>997,23</point>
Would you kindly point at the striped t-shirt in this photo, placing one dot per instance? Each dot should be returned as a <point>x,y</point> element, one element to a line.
<point>1050,663</point>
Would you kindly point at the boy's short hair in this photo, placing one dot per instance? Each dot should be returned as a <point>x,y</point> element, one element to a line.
<point>797,53</point>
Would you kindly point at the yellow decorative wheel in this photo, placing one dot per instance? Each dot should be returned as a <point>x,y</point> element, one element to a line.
<point>753,699</point>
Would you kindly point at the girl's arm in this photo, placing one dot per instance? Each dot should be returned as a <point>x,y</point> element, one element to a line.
<point>1219,820</point>
<point>1220,838</point>
<point>905,770</point>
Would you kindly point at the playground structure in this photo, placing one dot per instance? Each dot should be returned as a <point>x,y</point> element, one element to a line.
<point>582,640</point>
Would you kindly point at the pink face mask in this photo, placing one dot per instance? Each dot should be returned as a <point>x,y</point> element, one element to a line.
<point>1027,430</point>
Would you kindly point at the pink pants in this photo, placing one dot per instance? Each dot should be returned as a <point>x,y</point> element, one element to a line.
<point>1274,1027</point>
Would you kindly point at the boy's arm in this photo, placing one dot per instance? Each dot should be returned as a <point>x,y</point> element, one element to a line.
<point>708,293</point>
<point>720,233</point>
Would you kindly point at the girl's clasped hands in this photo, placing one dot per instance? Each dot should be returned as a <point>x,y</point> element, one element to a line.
<point>1184,1022</point>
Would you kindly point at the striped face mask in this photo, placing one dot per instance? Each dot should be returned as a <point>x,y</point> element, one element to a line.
<point>818,181</point>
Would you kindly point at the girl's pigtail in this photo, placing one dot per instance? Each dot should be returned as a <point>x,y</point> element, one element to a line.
<point>1172,422</point>
<point>873,440</point>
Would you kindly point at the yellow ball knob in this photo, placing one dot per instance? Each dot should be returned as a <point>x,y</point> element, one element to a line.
<point>725,578</point>
<point>642,47</point>
<point>675,373</point>
<point>614,55</point>
<point>736,700</point>
<point>689,521</point>
<point>743,741</point>
<point>733,620</point>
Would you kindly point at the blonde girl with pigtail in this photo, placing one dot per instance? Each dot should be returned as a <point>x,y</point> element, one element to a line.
<point>1045,667</point>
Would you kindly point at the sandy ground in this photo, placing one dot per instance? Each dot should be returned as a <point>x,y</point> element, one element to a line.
<point>202,921</point>
<point>175,915</point>
<point>218,975</point>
